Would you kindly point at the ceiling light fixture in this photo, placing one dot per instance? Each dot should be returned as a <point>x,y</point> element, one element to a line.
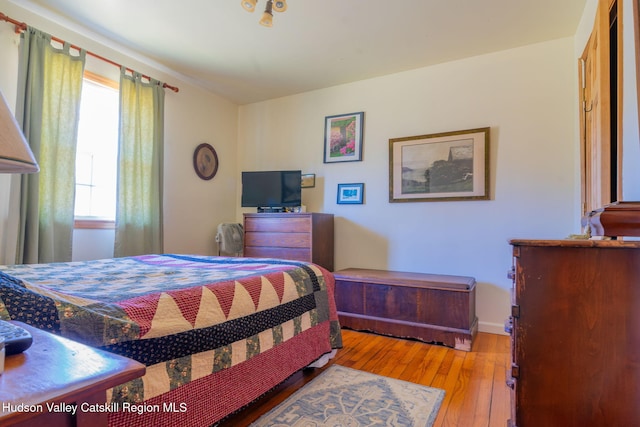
<point>267,16</point>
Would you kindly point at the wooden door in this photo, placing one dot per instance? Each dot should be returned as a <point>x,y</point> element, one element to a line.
<point>601,88</point>
<point>595,116</point>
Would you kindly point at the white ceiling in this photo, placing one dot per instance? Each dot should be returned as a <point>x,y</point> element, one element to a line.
<point>314,44</point>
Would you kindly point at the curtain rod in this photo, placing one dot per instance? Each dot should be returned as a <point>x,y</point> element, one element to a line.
<point>21,26</point>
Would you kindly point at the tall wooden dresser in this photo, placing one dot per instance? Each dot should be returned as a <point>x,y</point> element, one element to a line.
<point>575,333</point>
<point>296,236</point>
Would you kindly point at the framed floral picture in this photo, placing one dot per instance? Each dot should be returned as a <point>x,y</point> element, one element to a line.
<point>343,138</point>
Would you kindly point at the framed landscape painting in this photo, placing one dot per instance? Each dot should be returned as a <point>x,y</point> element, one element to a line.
<point>343,138</point>
<point>437,167</point>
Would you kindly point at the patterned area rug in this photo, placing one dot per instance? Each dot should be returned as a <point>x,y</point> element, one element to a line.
<point>347,397</point>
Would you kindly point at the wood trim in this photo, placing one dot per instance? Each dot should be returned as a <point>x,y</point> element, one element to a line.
<point>620,88</point>
<point>97,224</point>
<point>636,34</point>
<point>583,155</point>
<point>98,79</point>
<point>603,159</point>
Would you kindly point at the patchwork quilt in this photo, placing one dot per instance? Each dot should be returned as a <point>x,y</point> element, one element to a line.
<point>214,332</point>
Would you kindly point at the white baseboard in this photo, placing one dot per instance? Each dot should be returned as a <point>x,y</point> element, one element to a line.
<point>492,328</point>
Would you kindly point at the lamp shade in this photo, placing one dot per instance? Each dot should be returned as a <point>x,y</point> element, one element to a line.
<point>267,16</point>
<point>267,19</point>
<point>280,5</point>
<point>15,154</point>
<point>249,5</point>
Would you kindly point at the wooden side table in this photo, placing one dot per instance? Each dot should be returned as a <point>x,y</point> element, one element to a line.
<point>576,327</point>
<point>44,384</point>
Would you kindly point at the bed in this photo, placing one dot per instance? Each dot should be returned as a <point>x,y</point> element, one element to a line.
<point>215,333</point>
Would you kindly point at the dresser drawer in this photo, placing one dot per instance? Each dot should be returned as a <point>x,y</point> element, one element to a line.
<point>266,224</point>
<point>300,254</point>
<point>280,240</point>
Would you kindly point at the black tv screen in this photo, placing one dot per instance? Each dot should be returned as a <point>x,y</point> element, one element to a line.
<point>271,189</point>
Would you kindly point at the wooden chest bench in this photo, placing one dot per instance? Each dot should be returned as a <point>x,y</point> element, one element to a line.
<point>431,308</point>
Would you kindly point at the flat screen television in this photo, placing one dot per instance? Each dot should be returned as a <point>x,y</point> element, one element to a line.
<point>271,189</point>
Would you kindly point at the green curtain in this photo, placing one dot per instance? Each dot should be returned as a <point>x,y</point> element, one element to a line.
<point>49,89</point>
<point>140,161</point>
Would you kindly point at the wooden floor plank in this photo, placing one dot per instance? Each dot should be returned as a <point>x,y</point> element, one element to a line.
<point>407,360</point>
<point>427,369</point>
<point>483,376</point>
<point>380,360</point>
<point>369,348</point>
<point>405,351</point>
<point>454,386</point>
<point>476,393</point>
<point>501,394</point>
<point>419,357</point>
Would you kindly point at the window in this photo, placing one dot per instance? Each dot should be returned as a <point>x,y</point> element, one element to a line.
<point>97,153</point>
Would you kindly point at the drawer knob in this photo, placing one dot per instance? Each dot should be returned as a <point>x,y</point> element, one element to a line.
<point>515,371</point>
<point>508,325</point>
<point>515,311</point>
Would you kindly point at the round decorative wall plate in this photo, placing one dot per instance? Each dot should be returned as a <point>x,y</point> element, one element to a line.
<point>205,161</point>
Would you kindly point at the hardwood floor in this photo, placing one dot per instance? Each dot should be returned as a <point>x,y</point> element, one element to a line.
<point>476,391</point>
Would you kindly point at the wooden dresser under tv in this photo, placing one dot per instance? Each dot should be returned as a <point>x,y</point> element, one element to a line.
<point>297,236</point>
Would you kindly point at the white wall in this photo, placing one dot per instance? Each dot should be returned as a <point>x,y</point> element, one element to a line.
<point>192,207</point>
<point>528,98</point>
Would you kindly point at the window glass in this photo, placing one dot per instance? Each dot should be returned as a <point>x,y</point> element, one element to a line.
<point>97,150</point>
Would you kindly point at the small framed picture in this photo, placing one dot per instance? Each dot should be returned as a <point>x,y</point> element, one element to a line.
<point>343,138</point>
<point>205,161</point>
<point>350,194</point>
<point>308,180</point>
